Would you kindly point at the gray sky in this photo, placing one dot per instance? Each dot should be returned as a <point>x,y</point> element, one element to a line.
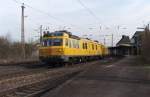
<point>70,13</point>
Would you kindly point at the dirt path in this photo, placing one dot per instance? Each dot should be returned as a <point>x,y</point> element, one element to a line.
<point>121,79</point>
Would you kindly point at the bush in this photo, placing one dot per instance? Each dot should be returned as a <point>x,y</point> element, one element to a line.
<point>13,50</point>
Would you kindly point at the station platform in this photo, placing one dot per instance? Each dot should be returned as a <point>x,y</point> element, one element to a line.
<point>120,79</point>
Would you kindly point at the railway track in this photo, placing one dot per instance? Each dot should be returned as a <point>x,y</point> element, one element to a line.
<point>36,82</point>
<point>33,84</point>
<point>8,70</point>
<point>14,71</point>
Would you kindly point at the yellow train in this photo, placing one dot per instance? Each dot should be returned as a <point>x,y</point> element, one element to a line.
<point>63,47</point>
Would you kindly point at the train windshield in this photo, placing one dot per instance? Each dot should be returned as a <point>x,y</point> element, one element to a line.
<point>58,34</point>
<point>53,34</point>
<point>53,42</point>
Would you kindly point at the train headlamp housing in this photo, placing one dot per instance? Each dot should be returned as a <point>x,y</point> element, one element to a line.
<point>60,50</point>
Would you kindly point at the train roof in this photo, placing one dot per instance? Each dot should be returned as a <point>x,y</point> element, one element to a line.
<point>63,31</point>
<point>60,32</point>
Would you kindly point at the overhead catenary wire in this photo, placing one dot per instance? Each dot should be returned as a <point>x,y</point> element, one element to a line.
<point>38,10</point>
<point>97,19</point>
<point>93,14</point>
<point>89,11</point>
<point>51,16</point>
<point>15,1</point>
<point>47,14</point>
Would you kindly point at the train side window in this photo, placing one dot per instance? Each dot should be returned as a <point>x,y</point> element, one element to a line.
<point>82,45</point>
<point>85,45</point>
<point>96,47</point>
<point>69,41</point>
<point>72,43</point>
<point>49,42</point>
<point>88,46</point>
<point>66,42</point>
<point>78,44</point>
<point>93,46</point>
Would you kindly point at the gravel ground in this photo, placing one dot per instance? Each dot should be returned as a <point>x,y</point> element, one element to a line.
<point>11,69</point>
<point>120,79</point>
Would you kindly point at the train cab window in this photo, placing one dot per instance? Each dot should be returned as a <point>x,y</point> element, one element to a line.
<point>57,42</point>
<point>58,34</point>
<point>44,43</point>
<point>52,42</point>
<point>50,34</point>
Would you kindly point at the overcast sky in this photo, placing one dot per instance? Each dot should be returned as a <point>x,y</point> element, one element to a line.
<point>72,14</point>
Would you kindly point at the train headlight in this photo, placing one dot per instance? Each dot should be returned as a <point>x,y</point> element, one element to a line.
<point>60,50</point>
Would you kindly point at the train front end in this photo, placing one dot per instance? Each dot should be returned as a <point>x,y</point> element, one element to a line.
<point>52,48</point>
